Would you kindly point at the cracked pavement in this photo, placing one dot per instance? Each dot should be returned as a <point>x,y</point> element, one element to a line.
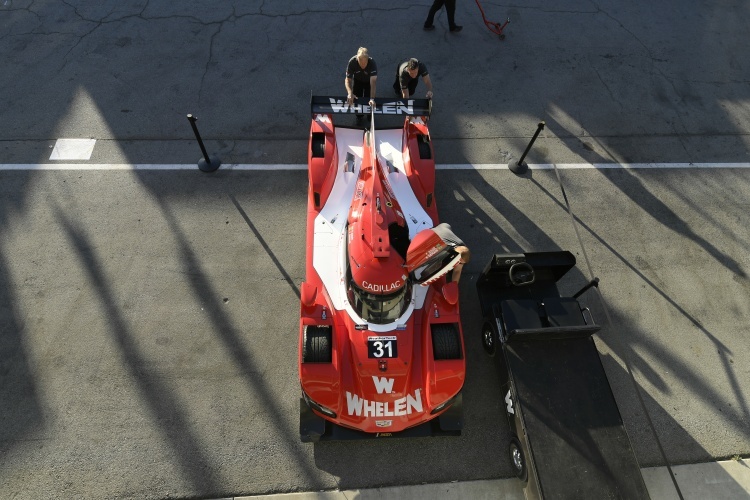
<point>655,83</point>
<point>147,319</point>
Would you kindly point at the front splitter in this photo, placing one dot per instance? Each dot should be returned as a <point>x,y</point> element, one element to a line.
<point>314,428</point>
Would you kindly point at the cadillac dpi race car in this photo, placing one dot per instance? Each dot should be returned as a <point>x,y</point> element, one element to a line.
<point>381,350</point>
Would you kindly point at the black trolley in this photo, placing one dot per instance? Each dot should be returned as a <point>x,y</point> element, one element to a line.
<point>567,436</point>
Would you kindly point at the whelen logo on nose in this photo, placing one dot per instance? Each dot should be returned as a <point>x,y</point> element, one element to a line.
<point>402,406</point>
<point>383,385</point>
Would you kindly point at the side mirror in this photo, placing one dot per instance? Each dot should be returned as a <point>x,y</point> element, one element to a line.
<point>429,257</point>
<point>307,294</point>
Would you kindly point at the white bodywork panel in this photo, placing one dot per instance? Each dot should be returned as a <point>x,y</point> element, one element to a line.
<point>329,240</point>
<point>389,143</point>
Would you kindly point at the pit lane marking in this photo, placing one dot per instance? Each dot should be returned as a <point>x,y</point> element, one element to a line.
<point>73,149</point>
<point>300,166</point>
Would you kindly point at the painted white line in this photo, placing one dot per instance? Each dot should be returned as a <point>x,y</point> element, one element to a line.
<point>73,149</point>
<point>260,166</point>
<point>145,166</point>
<point>628,166</point>
<point>597,166</point>
<point>300,166</point>
<point>470,166</point>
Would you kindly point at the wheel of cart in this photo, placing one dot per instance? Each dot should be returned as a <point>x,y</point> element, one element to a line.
<point>567,436</point>
<point>490,338</point>
<point>518,459</point>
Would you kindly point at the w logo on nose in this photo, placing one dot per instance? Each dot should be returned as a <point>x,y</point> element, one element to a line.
<point>383,385</point>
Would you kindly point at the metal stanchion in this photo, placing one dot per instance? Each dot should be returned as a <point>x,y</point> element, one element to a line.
<point>521,167</point>
<point>207,163</point>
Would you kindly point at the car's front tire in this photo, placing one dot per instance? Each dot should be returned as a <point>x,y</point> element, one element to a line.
<point>316,344</point>
<point>446,342</point>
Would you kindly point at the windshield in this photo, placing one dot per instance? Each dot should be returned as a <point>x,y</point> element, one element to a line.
<point>379,309</point>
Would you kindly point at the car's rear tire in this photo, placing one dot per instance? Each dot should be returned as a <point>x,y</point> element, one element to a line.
<point>316,344</point>
<point>425,151</point>
<point>446,342</point>
<point>318,145</point>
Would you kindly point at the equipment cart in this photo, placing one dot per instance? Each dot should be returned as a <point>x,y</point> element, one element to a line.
<point>567,436</point>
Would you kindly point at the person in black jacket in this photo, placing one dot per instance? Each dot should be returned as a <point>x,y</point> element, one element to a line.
<point>407,77</point>
<point>361,76</point>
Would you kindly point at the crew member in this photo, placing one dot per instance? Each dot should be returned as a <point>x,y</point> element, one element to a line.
<point>446,234</point>
<point>450,9</point>
<point>361,76</point>
<point>407,77</point>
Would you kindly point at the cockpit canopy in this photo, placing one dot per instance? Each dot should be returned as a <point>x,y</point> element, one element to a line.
<point>379,308</point>
<point>378,287</point>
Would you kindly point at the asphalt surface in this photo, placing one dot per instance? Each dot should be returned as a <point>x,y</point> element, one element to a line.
<point>727,480</point>
<point>148,319</point>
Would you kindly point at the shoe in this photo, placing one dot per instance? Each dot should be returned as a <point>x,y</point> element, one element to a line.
<point>429,28</point>
<point>456,29</point>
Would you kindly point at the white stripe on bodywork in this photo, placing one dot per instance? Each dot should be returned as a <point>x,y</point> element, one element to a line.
<point>390,143</point>
<point>330,224</point>
<point>389,148</point>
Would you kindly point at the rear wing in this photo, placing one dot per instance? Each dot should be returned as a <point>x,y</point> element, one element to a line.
<point>383,106</point>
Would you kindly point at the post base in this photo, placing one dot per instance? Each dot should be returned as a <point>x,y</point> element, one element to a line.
<point>209,166</point>
<point>518,168</point>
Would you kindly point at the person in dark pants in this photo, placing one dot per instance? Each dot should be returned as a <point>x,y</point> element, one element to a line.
<point>361,76</point>
<point>450,9</point>
<point>407,77</point>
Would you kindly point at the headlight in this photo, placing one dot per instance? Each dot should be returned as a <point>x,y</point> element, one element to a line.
<point>317,406</point>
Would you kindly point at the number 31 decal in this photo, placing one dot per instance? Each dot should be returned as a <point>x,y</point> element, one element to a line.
<point>382,347</point>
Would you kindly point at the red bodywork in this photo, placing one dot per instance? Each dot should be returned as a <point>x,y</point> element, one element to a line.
<point>374,394</point>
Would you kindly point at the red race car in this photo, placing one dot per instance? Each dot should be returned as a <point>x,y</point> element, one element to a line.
<point>381,350</point>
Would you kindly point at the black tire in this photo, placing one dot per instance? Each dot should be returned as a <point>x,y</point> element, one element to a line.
<point>446,343</point>
<point>425,151</point>
<point>316,344</point>
<point>517,459</point>
<point>318,145</point>
<point>490,338</point>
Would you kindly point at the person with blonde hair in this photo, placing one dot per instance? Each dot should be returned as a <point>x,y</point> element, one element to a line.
<point>361,77</point>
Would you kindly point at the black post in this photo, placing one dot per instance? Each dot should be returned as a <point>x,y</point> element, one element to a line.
<point>592,283</point>
<point>521,167</point>
<point>206,164</point>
